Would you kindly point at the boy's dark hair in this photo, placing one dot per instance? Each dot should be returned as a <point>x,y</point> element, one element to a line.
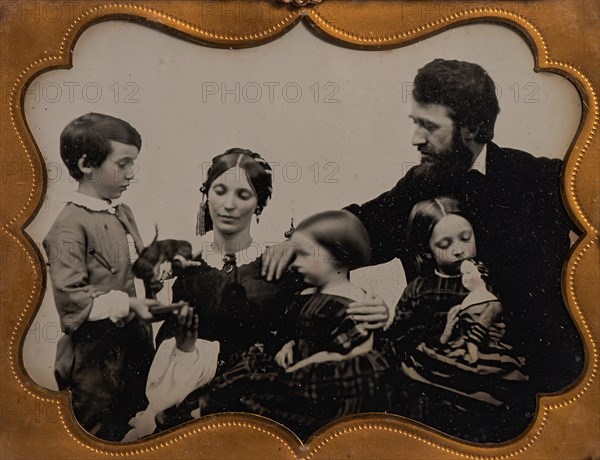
<point>465,88</point>
<point>90,135</point>
<point>342,234</point>
<point>423,218</point>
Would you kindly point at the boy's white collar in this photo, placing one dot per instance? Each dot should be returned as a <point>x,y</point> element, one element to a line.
<point>91,203</point>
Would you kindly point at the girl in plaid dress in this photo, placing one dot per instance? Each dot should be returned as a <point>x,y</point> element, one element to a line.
<point>455,374</point>
<point>324,365</point>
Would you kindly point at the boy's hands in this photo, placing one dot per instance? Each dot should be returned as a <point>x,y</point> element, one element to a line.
<point>141,307</point>
<point>372,312</point>
<point>285,356</point>
<point>186,332</point>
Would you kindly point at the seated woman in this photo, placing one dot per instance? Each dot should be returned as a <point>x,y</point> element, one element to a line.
<point>233,306</point>
<point>324,365</point>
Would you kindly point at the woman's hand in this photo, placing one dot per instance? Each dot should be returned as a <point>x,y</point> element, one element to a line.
<point>164,271</point>
<point>186,332</point>
<point>285,356</point>
<point>372,312</point>
<point>277,259</point>
<point>141,307</point>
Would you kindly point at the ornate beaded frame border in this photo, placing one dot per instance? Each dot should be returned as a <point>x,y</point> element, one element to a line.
<point>364,25</point>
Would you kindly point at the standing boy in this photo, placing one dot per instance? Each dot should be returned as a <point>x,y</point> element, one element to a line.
<point>105,354</point>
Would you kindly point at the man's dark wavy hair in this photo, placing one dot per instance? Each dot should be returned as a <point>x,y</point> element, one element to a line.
<point>465,88</point>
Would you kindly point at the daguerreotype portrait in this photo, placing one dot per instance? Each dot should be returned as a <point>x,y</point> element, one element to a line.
<point>300,229</point>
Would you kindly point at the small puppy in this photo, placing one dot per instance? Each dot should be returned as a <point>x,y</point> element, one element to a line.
<point>148,266</point>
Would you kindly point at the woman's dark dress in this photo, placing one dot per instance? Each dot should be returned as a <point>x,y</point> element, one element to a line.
<point>236,306</point>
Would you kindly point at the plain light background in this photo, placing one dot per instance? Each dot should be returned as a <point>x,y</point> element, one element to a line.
<point>332,122</point>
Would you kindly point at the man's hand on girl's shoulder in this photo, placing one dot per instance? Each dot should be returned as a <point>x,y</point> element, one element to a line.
<point>372,311</point>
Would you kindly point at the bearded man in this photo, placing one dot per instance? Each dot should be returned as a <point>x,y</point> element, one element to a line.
<point>521,225</point>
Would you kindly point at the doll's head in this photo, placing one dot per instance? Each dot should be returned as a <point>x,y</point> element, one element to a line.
<point>328,244</point>
<point>240,169</point>
<point>440,236</point>
<point>474,275</point>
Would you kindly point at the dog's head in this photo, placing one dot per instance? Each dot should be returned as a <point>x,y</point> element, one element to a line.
<point>174,251</point>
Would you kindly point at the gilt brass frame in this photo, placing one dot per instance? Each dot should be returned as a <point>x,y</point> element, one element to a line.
<point>566,424</point>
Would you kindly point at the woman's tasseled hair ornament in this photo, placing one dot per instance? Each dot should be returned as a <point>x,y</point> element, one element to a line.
<point>201,218</point>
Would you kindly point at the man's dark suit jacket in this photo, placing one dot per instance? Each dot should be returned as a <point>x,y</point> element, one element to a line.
<point>522,233</point>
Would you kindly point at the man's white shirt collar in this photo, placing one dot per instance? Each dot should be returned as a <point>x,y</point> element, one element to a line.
<point>480,162</point>
<point>91,203</point>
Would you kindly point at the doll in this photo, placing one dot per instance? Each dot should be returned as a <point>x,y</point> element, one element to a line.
<point>467,324</point>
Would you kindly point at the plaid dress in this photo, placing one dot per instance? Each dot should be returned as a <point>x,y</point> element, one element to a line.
<point>475,401</point>
<point>311,396</point>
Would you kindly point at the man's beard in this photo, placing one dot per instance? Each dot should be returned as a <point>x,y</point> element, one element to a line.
<point>456,162</point>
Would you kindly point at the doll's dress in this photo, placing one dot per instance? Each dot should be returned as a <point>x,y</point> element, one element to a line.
<point>498,371</point>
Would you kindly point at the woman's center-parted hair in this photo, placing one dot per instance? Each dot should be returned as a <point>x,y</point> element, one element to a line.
<point>90,135</point>
<point>257,171</point>
<point>423,218</point>
<point>342,234</point>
